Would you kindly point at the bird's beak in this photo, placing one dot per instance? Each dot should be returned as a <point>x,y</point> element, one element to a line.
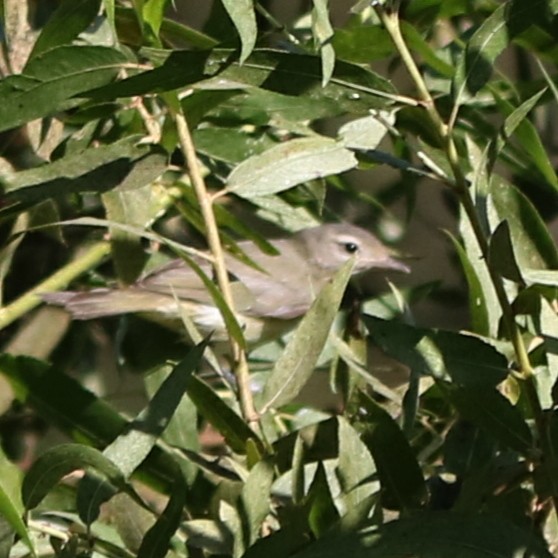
<point>392,263</point>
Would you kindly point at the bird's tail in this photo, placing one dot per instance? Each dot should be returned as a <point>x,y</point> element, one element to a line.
<point>98,303</point>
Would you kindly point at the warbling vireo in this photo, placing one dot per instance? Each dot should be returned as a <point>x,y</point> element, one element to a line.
<point>268,302</point>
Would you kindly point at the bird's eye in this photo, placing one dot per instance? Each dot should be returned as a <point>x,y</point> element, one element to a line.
<point>351,247</point>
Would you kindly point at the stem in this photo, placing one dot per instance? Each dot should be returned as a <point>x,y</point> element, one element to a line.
<point>55,282</point>
<point>206,206</point>
<point>390,20</point>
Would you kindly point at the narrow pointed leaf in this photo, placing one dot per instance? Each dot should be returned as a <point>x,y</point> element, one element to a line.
<point>244,18</point>
<point>298,360</point>
<point>70,18</point>
<point>54,77</point>
<point>400,475</point>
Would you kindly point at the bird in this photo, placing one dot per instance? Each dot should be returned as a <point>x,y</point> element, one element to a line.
<point>269,298</point>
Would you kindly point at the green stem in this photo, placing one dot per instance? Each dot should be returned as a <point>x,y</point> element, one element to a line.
<point>15,310</point>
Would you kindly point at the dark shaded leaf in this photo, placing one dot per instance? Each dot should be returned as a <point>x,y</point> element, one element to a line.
<point>489,409</point>
<point>54,77</point>
<point>220,415</point>
<point>58,462</point>
<point>70,18</point>
<point>467,359</point>
<point>400,476</point>
<point>433,535</point>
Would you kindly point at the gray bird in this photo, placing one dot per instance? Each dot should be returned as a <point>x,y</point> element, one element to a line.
<point>268,302</point>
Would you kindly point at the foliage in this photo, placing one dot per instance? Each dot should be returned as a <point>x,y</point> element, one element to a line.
<point>101,125</point>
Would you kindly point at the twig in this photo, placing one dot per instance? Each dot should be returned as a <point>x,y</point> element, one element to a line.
<point>206,205</point>
<point>94,255</point>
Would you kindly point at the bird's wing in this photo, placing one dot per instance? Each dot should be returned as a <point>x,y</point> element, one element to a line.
<point>279,292</point>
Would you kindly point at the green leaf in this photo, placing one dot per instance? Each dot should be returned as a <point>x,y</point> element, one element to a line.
<point>151,14</point>
<point>400,476</point>
<point>418,45</point>
<point>220,415</point>
<point>133,446</point>
<point>244,18</point>
<point>297,362</point>
<point>367,132</point>
<point>500,253</point>
<point>156,542</point>
<point>489,409</point>
<point>352,88</point>
<point>256,499</point>
<point>135,201</point>
<point>362,44</point>
<point>434,535</point>
<point>475,66</point>
<point>60,461</point>
<point>355,468</point>
<point>11,505</point>
<point>172,32</point>
<point>467,359</point>
<point>91,170</point>
<point>478,311</point>
<point>288,164</point>
<point>323,34</point>
<point>322,513</point>
<point>467,448</point>
<point>547,327</point>
<point>74,410</point>
<point>54,77</point>
<point>477,262</point>
<point>533,246</point>
<point>70,18</point>
<point>526,133</point>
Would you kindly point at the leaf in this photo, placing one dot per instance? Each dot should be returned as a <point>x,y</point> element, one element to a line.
<point>220,415</point>
<point>489,409</point>
<point>367,132</point>
<point>322,513</point>
<point>151,14</point>
<point>156,542</point>
<point>11,505</point>
<point>400,476</point>
<point>70,18</point>
<point>533,246</point>
<point>467,448</point>
<point>256,499</point>
<point>501,255</point>
<point>244,18</point>
<point>75,410</point>
<point>478,310</point>
<point>526,133</point>
<point>355,468</point>
<point>467,359</point>
<point>60,461</point>
<point>52,78</point>
<point>288,164</point>
<point>547,327</point>
<point>478,264</point>
<point>91,170</point>
<point>352,88</point>
<point>133,446</point>
<point>323,35</point>
<point>135,201</point>
<point>475,66</point>
<point>297,362</point>
<point>433,535</point>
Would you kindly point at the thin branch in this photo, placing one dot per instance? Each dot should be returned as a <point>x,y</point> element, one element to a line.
<point>206,206</point>
<point>15,310</point>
